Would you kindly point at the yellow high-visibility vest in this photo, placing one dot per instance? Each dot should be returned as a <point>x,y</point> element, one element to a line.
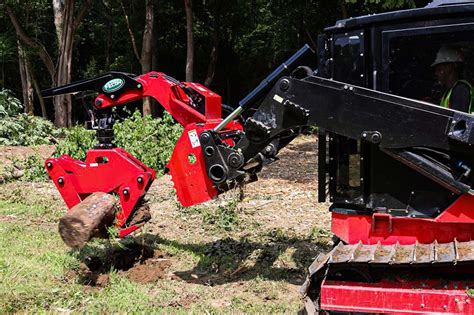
<point>447,95</point>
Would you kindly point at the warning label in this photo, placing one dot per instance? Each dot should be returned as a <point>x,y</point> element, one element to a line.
<point>193,138</point>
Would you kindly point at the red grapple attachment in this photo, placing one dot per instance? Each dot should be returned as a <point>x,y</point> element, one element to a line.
<point>111,171</point>
<point>114,171</point>
<point>187,166</point>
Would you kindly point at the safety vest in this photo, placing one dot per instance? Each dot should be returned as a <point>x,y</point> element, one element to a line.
<point>447,95</point>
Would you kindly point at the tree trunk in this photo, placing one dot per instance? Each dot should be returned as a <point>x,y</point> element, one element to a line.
<point>66,26</point>
<point>188,5</point>
<point>211,68</point>
<point>88,219</point>
<point>26,85</point>
<point>156,109</point>
<point>64,22</point>
<point>44,114</point>
<point>58,9</point>
<point>109,34</point>
<point>41,50</point>
<point>147,56</point>
<point>342,3</point>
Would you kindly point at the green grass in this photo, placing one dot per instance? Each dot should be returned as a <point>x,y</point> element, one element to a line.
<point>34,264</point>
<point>30,212</point>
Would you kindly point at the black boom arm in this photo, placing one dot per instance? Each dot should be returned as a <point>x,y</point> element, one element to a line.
<point>396,124</point>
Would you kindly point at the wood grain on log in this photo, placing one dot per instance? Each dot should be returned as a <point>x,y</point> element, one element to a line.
<point>87,219</point>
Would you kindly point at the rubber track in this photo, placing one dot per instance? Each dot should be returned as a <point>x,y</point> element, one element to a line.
<point>397,254</point>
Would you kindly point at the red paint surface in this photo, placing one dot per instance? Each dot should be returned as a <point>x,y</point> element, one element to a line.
<point>457,221</point>
<point>121,170</point>
<point>409,297</point>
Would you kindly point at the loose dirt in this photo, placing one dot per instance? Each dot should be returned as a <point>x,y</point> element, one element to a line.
<point>139,263</point>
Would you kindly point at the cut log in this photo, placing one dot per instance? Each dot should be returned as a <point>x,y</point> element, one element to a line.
<point>87,219</point>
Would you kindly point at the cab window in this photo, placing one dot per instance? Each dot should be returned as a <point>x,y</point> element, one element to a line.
<point>413,59</point>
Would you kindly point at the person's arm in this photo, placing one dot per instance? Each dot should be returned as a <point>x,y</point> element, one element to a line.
<point>460,97</point>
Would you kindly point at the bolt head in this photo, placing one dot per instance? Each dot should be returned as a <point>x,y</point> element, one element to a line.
<point>235,160</point>
<point>60,180</point>
<point>125,192</point>
<point>284,85</point>
<point>140,179</point>
<point>375,138</point>
<point>49,165</point>
<point>98,102</point>
<point>205,137</point>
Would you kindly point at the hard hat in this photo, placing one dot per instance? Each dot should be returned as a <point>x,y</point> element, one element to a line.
<point>447,54</point>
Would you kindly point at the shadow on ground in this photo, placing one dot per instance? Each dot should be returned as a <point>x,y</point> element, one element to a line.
<point>301,169</point>
<point>221,261</point>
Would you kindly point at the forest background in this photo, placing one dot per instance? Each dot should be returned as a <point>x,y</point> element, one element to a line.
<point>228,46</point>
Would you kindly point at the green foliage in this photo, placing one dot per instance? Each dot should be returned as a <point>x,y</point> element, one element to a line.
<point>76,143</point>
<point>224,217</point>
<point>17,128</point>
<point>9,104</point>
<point>470,292</point>
<point>33,168</point>
<point>389,4</point>
<point>150,140</point>
<point>26,130</point>
<point>7,47</point>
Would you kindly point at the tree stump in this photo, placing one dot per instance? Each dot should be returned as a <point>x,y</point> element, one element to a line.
<point>87,219</point>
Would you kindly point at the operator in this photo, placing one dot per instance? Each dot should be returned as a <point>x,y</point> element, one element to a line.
<point>459,93</point>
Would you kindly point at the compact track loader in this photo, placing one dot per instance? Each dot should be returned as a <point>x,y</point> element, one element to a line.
<point>396,167</point>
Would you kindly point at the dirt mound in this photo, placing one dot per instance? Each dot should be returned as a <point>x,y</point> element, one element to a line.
<point>139,263</point>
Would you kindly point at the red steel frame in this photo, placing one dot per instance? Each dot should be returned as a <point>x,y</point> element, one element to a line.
<point>414,297</point>
<point>171,97</point>
<point>117,171</point>
<point>457,221</point>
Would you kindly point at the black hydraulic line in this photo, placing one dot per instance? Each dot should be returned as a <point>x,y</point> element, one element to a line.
<point>284,69</point>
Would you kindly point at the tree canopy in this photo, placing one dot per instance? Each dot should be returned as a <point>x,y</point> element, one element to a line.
<point>234,43</point>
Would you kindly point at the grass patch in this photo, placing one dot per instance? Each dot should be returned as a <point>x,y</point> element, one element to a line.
<point>32,262</point>
<point>35,267</point>
<point>220,217</point>
<point>29,212</point>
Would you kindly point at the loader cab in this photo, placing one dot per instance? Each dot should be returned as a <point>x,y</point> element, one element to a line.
<point>391,52</point>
